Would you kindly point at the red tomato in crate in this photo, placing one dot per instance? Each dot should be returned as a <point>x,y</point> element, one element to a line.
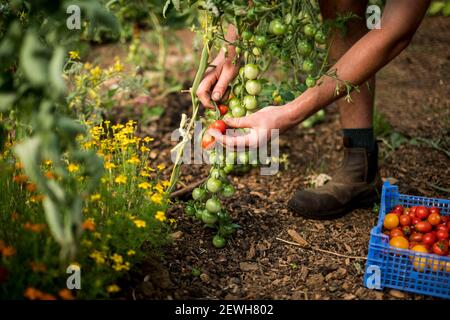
<point>398,209</point>
<point>434,219</point>
<point>406,230</point>
<point>429,238</point>
<point>415,220</point>
<point>423,226</point>
<point>441,226</point>
<point>405,220</point>
<point>396,232</point>
<point>422,212</point>
<point>440,248</point>
<point>415,237</point>
<point>434,210</point>
<point>442,234</point>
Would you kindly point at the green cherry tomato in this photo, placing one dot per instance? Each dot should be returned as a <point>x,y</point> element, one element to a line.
<point>243,158</point>
<point>234,103</point>
<point>250,102</point>
<point>230,157</point>
<point>218,173</point>
<point>198,194</point>
<point>238,112</point>
<point>213,185</point>
<point>307,65</point>
<point>237,90</point>
<point>277,28</point>
<point>260,41</point>
<point>309,30</point>
<point>253,87</point>
<point>310,81</point>
<point>218,241</point>
<point>246,35</point>
<point>228,191</point>
<point>213,206</point>
<point>305,47</point>
<point>189,210</point>
<point>199,214</point>
<point>320,37</point>
<point>209,217</point>
<point>256,51</point>
<point>251,71</point>
<point>228,168</point>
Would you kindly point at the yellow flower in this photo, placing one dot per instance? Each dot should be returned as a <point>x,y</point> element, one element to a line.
<point>156,198</point>
<point>48,162</point>
<point>140,223</point>
<point>98,256</point>
<point>144,149</point>
<point>165,183</point>
<point>144,173</point>
<point>95,197</point>
<point>161,167</point>
<point>112,288</point>
<point>74,55</point>
<point>89,224</point>
<point>87,66</point>
<point>131,252</point>
<point>96,73</point>
<point>148,139</point>
<point>172,221</point>
<point>134,160</point>
<point>117,258</point>
<point>118,67</point>
<point>121,179</point>
<point>161,216</point>
<point>120,267</point>
<point>73,167</point>
<point>109,165</point>
<point>144,185</point>
<point>159,188</point>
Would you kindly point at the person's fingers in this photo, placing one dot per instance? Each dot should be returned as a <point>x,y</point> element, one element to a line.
<point>226,76</point>
<point>241,141</point>
<point>204,89</point>
<point>243,122</point>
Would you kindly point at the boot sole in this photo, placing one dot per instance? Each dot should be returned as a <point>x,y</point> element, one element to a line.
<point>330,215</point>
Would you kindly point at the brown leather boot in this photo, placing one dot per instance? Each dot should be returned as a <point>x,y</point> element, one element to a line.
<point>355,184</point>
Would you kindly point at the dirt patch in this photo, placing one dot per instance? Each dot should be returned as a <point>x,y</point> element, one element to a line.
<point>413,94</point>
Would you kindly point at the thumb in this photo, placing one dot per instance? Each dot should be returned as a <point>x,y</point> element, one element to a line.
<point>243,122</point>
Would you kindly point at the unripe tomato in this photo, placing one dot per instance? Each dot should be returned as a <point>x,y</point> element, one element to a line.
<point>218,125</point>
<point>243,158</point>
<point>238,112</point>
<point>218,241</point>
<point>250,102</point>
<point>213,185</point>
<point>251,71</point>
<point>305,47</point>
<point>406,230</point>
<point>189,209</point>
<point>320,37</point>
<point>260,41</point>
<point>310,81</point>
<point>307,65</point>
<point>256,51</point>
<point>237,90</point>
<point>277,28</point>
<point>235,102</point>
<point>399,242</point>
<point>391,221</point>
<point>246,35</point>
<point>213,205</point>
<point>228,168</point>
<point>253,87</point>
<point>217,173</point>
<point>228,191</point>
<point>198,194</point>
<point>209,217</point>
<point>309,30</point>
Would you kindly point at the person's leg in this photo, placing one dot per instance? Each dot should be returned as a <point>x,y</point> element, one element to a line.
<point>359,112</point>
<point>357,182</point>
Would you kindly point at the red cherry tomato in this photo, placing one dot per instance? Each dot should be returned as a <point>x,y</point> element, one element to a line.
<point>429,238</point>
<point>442,234</point>
<point>223,109</point>
<point>415,220</point>
<point>440,248</point>
<point>396,232</point>
<point>415,237</point>
<point>406,230</point>
<point>434,218</point>
<point>405,220</point>
<point>398,209</point>
<point>413,210</point>
<point>434,210</point>
<point>423,226</point>
<point>422,212</point>
<point>208,141</point>
<point>218,125</point>
<point>441,226</point>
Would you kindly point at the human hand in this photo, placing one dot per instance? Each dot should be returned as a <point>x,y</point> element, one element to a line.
<point>261,125</point>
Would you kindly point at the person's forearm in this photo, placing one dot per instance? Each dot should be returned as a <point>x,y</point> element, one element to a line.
<point>360,63</point>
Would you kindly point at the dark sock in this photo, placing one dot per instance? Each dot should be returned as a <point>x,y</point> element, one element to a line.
<point>360,138</point>
<point>364,138</point>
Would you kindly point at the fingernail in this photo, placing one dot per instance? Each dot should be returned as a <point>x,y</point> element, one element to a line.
<point>216,95</point>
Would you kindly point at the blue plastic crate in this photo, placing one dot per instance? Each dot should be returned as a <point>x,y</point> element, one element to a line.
<point>401,269</point>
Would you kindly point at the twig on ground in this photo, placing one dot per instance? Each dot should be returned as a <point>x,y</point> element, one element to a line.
<point>186,189</point>
<point>321,250</point>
